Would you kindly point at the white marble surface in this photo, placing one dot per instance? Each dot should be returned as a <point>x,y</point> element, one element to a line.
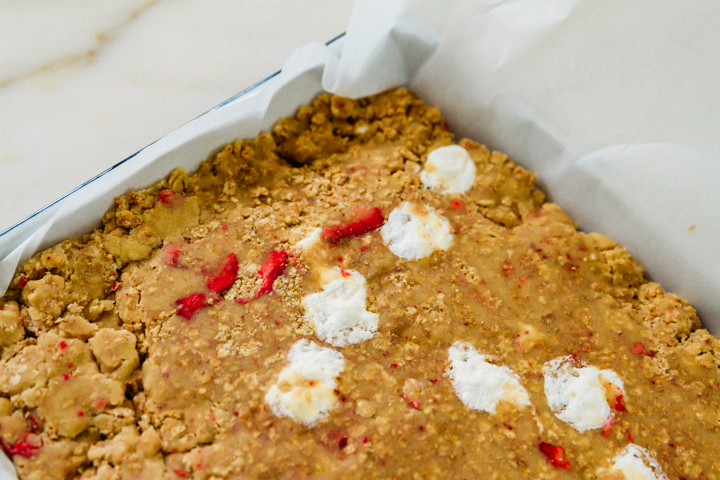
<point>84,84</point>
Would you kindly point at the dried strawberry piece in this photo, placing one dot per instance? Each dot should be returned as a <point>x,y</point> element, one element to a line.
<point>27,447</point>
<point>414,403</point>
<point>34,424</point>
<point>169,198</point>
<point>365,219</point>
<point>609,422</point>
<point>457,204</point>
<point>507,268</point>
<point>638,349</point>
<point>619,407</point>
<point>224,276</point>
<point>555,454</point>
<point>573,360</point>
<point>190,304</point>
<point>172,254</point>
<point>22,281</point>
<point>271,270</point>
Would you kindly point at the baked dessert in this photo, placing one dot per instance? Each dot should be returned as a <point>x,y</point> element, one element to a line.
<point>351,296</point>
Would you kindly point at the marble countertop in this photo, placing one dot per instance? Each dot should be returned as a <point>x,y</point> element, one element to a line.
<point>85,84</point>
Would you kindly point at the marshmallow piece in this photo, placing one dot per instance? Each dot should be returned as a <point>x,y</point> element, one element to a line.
<point>450,168</point>
<point>414,231</point>
<point>576,393</point>
<point>310,240</point>
<point>305,389</point>
<point>481,385</point>
<point>636,463</point>
<point>338,312</point>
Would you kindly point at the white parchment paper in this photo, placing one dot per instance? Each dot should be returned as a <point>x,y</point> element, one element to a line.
<point>615,104</point>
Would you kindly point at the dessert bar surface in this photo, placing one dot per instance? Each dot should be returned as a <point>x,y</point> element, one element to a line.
<point>353,295</point>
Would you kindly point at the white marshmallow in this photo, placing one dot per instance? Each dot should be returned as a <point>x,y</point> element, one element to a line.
<point>481,385</point>
<point>305,389</point>
<point>338,312</point>
<point>576,392</point>
<point>636,464</point>
<point>311,239</point>
<point>414,231</point>
<point>450,168</point>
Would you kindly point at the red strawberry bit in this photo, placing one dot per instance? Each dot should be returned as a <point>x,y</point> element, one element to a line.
<point>638,349</point>
<point>555,454</point>
<point>415,404</point>
<point>273,267</point>
<point>172,254</point>
<point>27,447</point>
<point>80,413</point>
<point>115,286</point>
<point>457,204</point>
<point>573,360</point>
<point>169,198</point>
<point>343,443</point>
<point>190,304</point>
<point>22,281</point>
<point>609,422</point>
<point>34,424</point>
<point>224,276</point>
<point>619,407</point>
<point>365,220</point>
<point>345,273</point>
<point>507,268</point>
<point>100,402</point>
<point>62,345</point>
<point>66,375</point>
<point>179,472</point>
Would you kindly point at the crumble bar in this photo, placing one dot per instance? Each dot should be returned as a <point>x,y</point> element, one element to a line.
<point>353,295</point>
